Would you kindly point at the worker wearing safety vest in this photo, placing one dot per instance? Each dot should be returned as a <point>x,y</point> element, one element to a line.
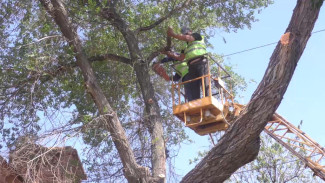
<point>194,56</point>
<point>181,69</point>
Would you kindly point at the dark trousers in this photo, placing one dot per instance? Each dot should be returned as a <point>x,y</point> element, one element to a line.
<point>198,69</point>
<point>187,87</point>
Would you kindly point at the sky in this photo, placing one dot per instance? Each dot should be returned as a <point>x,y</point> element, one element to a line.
<point>305,95</point>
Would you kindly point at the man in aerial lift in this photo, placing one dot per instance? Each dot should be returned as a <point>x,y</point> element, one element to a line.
<point>194,56</point>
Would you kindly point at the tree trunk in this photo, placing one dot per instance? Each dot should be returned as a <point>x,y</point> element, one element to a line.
<point>158,158</point>
<point>141,67</point>
<point>240,144</point>
<point>132,171</point>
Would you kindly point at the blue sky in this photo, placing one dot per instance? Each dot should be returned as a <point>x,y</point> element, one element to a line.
<point>305,95</point>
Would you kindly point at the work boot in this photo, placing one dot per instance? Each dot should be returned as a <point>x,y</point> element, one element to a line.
<point>188,118</point>
<point>208,114</point>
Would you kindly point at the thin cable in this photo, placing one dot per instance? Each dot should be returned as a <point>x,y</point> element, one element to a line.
<point>249,49</point>
<point>262,46</point>
<point>318,31</point>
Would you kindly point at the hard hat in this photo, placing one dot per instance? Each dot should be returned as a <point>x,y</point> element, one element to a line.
<point>185,30</point>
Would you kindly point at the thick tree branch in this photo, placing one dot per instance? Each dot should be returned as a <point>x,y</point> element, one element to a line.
<point>160,20</point>
<point>112,16</point>
<point>157,52</point>
<point>154,54</point>
<point>51,73</point>
<point>240,144</point>
<point>110,57</point>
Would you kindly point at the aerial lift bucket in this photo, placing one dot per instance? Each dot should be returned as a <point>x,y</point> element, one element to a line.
<point>207,114</point>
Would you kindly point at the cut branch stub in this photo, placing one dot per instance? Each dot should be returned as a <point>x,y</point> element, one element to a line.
<point>285,38</point>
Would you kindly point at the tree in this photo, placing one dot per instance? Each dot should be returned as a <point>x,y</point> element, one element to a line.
<point>79,41</point>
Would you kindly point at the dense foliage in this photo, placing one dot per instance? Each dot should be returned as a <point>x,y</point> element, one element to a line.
<point>42,93</point>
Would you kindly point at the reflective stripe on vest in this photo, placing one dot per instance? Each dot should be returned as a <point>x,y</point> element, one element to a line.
<point>195,49</point>
<point>181,69</point>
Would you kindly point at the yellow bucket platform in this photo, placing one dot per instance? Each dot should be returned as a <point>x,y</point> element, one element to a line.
<point>205,115</point>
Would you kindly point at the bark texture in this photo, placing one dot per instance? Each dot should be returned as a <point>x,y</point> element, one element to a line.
<point>132,171</point>
<point>241,142</point>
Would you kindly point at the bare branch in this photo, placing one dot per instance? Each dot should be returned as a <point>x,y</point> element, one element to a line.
<point>36,41</point>
<point>160,20</point>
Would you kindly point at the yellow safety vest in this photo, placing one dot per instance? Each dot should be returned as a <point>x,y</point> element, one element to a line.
<point>181,68</point>
<point>195,49</point>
